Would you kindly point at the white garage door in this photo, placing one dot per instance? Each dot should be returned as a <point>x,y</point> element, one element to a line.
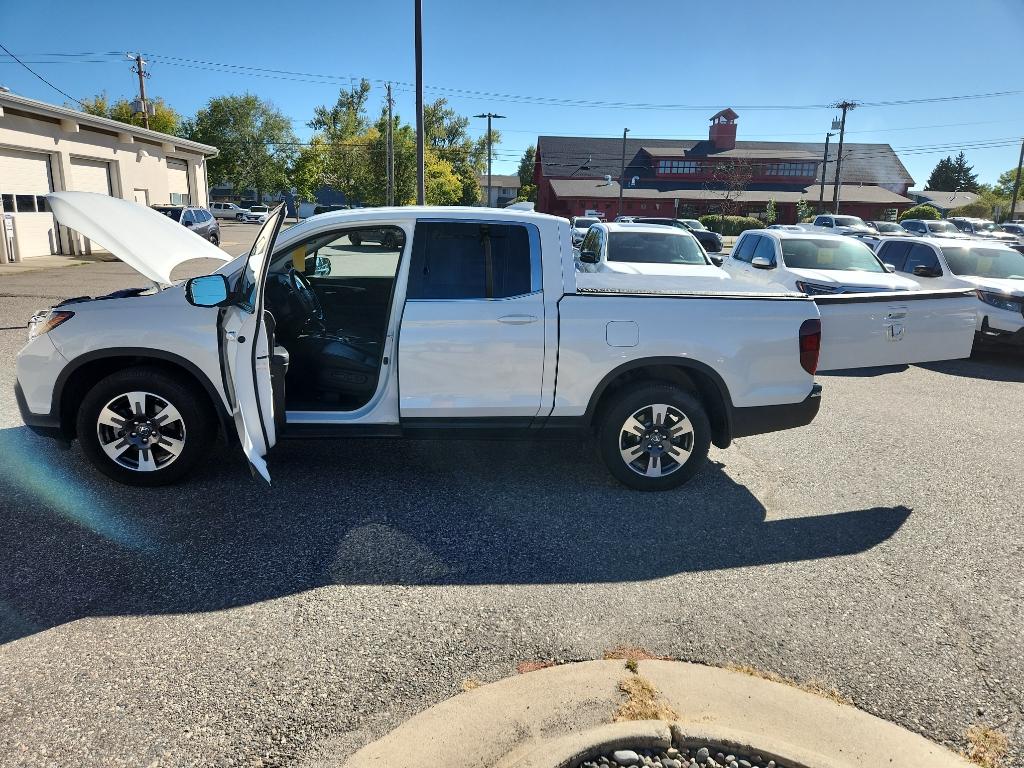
<point>90,175</point>
<point>24,183</point>
<point>177,181</point>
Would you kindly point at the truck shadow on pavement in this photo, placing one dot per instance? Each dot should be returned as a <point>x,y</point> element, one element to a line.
<point>73,545</point>
<point>1006,364</point>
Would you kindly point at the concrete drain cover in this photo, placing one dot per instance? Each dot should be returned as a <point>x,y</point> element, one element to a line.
<point>689,757</point>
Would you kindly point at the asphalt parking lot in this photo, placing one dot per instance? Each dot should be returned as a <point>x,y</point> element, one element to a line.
<point>217,622</point>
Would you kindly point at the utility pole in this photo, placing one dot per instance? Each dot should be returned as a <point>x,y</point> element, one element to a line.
<point>421,189</point>
<point>490,116</point>
<point>824,165</point>
<point>1016,181</point>
<point>843,105</point>
<point>391,150</point>
<point>140,70</point>
<point>622,169</point>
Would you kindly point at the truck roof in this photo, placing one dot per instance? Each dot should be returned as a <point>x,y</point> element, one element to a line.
<point>413,212</point>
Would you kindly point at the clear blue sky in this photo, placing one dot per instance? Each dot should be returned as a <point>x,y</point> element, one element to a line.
<point>654,52</point>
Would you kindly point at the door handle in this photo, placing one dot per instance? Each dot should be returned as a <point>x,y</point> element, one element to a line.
<point>517,319</point>
<point>896,314</point>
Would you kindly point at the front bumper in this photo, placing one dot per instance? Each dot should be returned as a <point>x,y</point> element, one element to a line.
<point>759,419</point>
<point>45,424</point>
<point>996,335</point>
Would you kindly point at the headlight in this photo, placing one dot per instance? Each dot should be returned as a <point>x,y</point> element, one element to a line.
<point>41,324</point>
<point>815,289</point>
<point>1011,304</point>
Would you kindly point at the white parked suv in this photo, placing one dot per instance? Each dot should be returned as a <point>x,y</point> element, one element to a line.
<point>811,263</point>
<point>470,321</point>
<point>645,249</point>
<point>257,214</point>
<point>228,211</point>
<point>995,271</point>
<point>841,225</point>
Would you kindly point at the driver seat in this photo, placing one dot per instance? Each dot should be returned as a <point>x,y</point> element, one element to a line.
<point>334,367</point>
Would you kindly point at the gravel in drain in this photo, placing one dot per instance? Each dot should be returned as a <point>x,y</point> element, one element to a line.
<point>692,757</point>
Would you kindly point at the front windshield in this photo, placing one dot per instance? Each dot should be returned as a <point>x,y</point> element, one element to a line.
<point>849,221</point>
<point>988,226</point>
<point>846,254</point>
<point>980,261</point>
<point>889,227</point>
<point>654,248</point>
<point>942,226</point>
<point>581,222</point>
<point>693,223</point>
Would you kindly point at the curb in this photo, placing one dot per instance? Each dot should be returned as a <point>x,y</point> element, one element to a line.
<point>560,716</point>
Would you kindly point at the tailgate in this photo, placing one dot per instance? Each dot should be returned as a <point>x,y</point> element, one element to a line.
<point>862,330</point>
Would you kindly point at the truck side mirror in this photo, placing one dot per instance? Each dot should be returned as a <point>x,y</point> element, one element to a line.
<point>924,271</point>
<point>760,262</point>
<point>588,257</point>
<point>890,268</point>
<point>716,259</point>
<point>207,291</point>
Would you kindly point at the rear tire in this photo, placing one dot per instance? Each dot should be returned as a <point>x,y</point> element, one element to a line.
<point>654,437</point>
<point>214,239</point>
<point>142,426</point>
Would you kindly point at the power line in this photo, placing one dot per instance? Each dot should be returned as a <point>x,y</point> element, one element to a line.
<point>26,66</point>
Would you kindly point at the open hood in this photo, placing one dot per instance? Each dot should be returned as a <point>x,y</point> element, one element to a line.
<point>149,242</point>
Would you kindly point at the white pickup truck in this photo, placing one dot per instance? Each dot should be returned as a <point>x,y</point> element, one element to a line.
<point>460,321</point>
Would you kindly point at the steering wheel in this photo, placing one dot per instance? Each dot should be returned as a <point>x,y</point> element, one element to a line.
<point>305,296</point>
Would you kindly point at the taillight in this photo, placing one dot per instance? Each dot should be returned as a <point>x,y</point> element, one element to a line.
<point>810,345</point>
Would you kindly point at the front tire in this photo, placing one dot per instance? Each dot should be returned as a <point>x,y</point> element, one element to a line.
<point>654,437</point>
<point>142,426</point>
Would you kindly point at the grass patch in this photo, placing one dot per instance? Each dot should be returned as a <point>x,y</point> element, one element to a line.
<point>811,686</point>
<point>533,665</point>
<point>470,683</point>
<point>986,746</point>
<point>642,701</point>
<point>632,666</point>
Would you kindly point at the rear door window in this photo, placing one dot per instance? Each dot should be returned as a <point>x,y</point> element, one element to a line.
<point>473,260</point>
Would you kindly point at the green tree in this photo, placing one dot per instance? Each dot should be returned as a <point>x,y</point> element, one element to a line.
<point>166,120</point>
<point>920,212</point>
<point>342,130</point>
<point>257,145</point>
<point>770,212</point>
<point>1004,186</point>
<point>527,189</point>
<point>447,133</point>
<point>953,174</point>
<point>804,211</point>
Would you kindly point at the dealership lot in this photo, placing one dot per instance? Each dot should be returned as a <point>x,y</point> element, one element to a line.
<point>877,551</point>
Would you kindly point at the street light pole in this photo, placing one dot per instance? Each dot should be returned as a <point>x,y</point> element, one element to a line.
<point>1016,181</point>
<point>622,170</point>
<point>843,105</point>
<point>824,165</point>
<point>390,150</point>
<point>421,189</point>
<point>490,116</point>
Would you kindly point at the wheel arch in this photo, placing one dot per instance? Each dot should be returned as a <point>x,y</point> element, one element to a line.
<point>691,375</point>
<point>84,371</point>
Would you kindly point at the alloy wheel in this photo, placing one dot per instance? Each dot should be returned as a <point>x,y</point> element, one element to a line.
<point>141,431</point>
<point>656,440</point>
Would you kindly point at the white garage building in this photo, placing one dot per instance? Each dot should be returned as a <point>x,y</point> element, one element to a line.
<point>46,148</point>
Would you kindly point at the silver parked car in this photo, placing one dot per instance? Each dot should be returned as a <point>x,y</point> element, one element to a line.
<point>228,211</point>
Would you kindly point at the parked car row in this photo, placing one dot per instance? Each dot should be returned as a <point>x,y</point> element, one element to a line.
<point>254,214</point>
<point>817,263</point>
